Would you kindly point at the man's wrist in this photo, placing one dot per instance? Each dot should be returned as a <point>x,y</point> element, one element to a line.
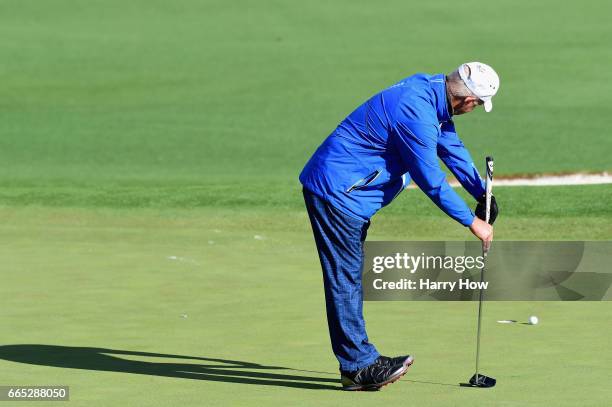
<point>471,222</point>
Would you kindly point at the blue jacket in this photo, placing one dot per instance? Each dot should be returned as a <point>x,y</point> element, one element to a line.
<point>396,136</point>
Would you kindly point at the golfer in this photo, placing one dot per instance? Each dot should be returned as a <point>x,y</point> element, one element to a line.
<point>396,136</point>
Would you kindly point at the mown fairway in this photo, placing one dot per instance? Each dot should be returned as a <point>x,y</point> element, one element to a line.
<point>205,91</point>
<point>149,154</point>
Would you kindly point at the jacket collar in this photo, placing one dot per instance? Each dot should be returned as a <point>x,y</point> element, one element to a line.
<point>438,85</point>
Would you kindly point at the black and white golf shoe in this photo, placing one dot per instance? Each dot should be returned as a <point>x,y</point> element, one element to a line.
<point>376,375</point>
<point>405,360</point>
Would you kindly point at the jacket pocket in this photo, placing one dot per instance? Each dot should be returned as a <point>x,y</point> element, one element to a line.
<point>365,181</point>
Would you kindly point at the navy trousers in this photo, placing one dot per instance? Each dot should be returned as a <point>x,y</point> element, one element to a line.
<point>339,239</point>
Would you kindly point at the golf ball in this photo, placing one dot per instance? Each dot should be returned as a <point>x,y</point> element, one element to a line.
<point>533,320</point>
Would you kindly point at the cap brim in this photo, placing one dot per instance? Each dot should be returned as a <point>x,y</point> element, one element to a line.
<point>488,106</point>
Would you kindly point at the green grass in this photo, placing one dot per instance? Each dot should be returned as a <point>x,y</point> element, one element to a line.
<point>186,91</point>
<point>544,213</point>
<point>145,145</point>
<point>124,280</point>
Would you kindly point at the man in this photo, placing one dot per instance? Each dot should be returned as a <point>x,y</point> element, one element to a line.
<point>396,136</point>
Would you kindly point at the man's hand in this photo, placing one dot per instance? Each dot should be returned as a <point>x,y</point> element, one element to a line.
<point>481,209</point>
<point>483,231</point>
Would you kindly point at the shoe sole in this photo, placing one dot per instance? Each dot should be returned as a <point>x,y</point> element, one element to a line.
<point>409,360</point>
<point>378,386</point>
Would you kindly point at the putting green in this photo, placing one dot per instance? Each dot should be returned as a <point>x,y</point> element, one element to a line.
<point>101,298</point>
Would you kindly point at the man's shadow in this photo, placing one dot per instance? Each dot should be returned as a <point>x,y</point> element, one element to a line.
<point>111,360</point>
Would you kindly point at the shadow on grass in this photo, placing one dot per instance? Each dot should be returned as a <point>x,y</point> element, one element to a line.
<point>436,383</point>
<point>210,369</point>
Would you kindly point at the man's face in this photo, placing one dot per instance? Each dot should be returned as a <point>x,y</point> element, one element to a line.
<point>466,105</point>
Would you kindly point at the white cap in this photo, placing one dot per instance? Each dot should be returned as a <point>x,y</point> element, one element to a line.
<point>482,80</point>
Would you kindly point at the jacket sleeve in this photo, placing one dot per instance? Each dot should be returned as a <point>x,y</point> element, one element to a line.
<point>417,145</point>
<point>458,160</point>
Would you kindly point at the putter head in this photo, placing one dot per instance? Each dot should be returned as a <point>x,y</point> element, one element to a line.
<point>480,380</point>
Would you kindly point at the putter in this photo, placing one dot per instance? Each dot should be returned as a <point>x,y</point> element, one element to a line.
<point>480,380</point>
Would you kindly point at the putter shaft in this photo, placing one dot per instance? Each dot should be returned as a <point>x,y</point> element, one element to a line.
<point>485,251</point>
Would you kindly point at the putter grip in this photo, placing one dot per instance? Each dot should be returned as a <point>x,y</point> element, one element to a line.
<point>488,187</point>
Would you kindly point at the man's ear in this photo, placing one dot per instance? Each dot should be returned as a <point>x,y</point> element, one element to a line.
<point>472,100</point>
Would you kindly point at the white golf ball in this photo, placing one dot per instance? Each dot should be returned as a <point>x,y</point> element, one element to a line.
<point>533,320</point>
